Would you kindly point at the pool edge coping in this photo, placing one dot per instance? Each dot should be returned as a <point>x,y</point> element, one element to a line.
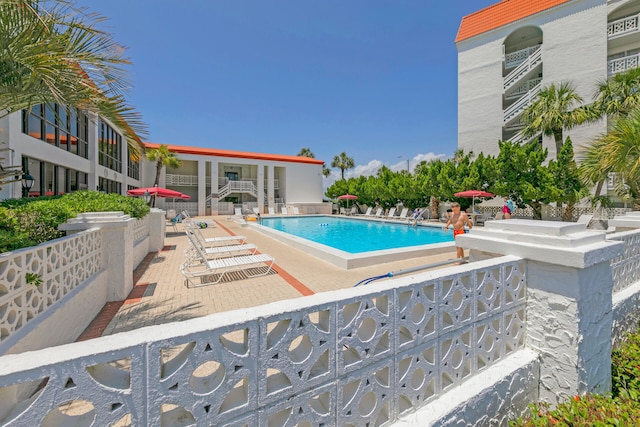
<point>347,260</point>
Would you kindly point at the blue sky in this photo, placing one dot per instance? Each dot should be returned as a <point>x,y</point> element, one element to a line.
<point>377,79</point>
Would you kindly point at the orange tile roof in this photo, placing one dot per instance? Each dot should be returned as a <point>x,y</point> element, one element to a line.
<point>499,14</point>
<point>237,154</point>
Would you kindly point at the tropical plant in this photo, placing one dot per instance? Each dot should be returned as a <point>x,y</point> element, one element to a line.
<point>619,95</point>
<point>162,157</point>
<point>566,178</point>
<point>52,52</point>
<point>523,177</point>
<point>554,109</point>
<point>617,151</point>
<point>306,152</point>
<point>343,162</point>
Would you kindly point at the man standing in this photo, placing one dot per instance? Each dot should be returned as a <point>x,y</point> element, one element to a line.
<point>458,219</point>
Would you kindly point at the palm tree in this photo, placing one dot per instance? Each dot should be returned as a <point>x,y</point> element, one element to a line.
<point>618,95</point>
<point>52,52</point>
<point>617,151</point>
<point>553,110</point>
<point>163,157</point>
<point>326,171</point>
<point>306,152</point>
<point>615,97</point>
<point>343,162</point>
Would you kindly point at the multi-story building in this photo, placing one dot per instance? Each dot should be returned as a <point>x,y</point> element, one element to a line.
<point>508,51</point>
<point>218,180</point>
<point>64,150</point>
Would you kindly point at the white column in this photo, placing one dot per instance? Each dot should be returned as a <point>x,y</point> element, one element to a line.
<point>260,186</point>
<point>569,298</point>
<point>271,187</point>
<point>202,187</point>
<point>93,133</point>
<point>214,187</point>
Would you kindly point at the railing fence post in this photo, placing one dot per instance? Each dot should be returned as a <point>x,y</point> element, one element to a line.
<point>117,251</point>
<point>569,298</point>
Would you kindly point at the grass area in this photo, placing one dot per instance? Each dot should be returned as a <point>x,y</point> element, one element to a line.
<point>620,408</point>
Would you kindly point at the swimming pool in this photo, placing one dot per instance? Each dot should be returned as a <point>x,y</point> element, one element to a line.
<point>356,236</point>
<point>351,243</point>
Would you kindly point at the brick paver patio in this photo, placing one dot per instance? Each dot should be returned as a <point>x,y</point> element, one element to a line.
<point>160,295</point>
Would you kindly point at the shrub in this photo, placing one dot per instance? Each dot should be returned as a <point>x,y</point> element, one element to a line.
<point>583,411</point>
<point>26,222</point>
<point>625,368</point>
<point>622,408</point>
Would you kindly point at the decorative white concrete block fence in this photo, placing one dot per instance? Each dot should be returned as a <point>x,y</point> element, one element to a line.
<point>343,358</point>
<point>530,318</point>
<point>78,273</point>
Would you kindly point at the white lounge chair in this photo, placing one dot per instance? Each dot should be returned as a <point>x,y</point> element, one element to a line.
<point>368,212</point>
<point>213,271</point>
<point>296,211</point>
<point>585,219</point>
<point>379,212</point>
<point>284,211</point>
<point>217,241</point>
<point>391,213</point>
<point>215,252</point>
<point>403,213</point>
<point>237,211</point>
<point>256,211</point>
<point>272,211</point>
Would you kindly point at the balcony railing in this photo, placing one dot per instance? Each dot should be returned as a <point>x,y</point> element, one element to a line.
<point>620,65</point>
<point>524,88</point>
<point>517,107</point>
<point>184,180</point>
<point>516,58</point>
<point>623,26</point>
<point>529,63</point>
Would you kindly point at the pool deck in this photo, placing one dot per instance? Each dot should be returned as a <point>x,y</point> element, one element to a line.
<point>160,295</point>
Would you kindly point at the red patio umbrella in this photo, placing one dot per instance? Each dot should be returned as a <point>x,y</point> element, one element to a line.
<point>473,194</point>
<point>347,197</point>
<point>156,191</point>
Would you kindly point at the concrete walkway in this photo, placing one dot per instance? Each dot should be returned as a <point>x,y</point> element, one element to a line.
<point>160,295</point>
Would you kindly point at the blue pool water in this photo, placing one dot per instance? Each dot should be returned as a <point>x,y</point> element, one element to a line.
<point>356,236</point>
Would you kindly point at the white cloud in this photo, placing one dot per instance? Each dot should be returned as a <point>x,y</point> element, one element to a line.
<point>373,166</point>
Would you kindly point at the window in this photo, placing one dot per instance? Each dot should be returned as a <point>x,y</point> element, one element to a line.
<point>109,147</point>
<point>109,186</point>
<point>63,127</point>
<point>133,169</point>
<point>50,179</point>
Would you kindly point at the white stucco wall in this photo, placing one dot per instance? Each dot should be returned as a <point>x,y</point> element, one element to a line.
<point>480,86</point>
<point>304,183</point>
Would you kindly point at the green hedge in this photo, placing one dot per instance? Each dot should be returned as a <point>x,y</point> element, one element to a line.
<point>621,408</point>
<point>28,222</point>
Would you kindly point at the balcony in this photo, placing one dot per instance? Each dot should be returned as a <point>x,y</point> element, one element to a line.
<point>516,58</point>
<point>524,88</point>
<point>620,65</point>
<point>527,66</point>
<point>623,26</point>
<point>512,112</point>
<point>183,180</point>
